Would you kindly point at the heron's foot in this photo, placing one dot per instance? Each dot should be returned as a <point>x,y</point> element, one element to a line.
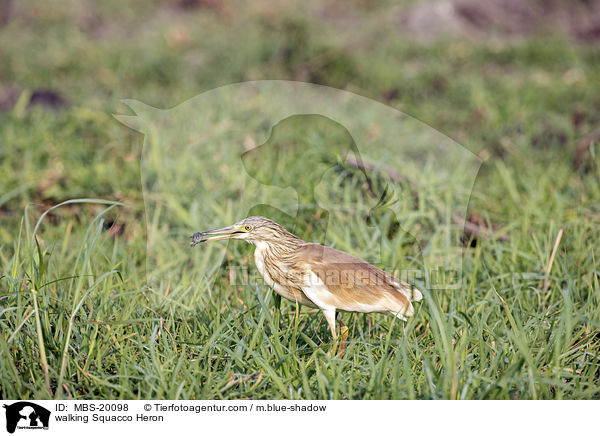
<point>342,340</point>
<point>344,331</point>
<point>339,343</point>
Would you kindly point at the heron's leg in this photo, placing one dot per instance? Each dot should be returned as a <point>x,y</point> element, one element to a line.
<point>343,336</point>
<point>343,328</point>
<point>330,317</point>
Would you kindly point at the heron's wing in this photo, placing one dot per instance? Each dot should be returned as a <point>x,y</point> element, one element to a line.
<point>338,279</point>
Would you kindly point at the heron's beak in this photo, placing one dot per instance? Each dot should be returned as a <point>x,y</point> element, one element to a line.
<point>215,235</point>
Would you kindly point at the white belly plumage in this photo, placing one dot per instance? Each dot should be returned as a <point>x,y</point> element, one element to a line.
<point>285,292</point>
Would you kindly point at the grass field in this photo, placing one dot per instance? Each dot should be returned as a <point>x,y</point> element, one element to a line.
<point>77,319</point>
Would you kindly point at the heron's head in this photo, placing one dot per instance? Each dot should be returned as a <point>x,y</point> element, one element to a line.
<point>253,229</point>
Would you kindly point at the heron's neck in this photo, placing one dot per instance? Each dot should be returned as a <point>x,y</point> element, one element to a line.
<point>278,249</point>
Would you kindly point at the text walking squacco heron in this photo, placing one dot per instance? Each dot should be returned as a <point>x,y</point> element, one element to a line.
<point>318,276</point>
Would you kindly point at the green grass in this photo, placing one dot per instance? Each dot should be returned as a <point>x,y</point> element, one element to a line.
<point>104,335</point>
<point>77,319</point>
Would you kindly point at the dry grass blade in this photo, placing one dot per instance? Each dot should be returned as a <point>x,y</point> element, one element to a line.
<point>551,261</point>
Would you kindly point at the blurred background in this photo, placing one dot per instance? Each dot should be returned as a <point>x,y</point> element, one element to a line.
<point>508,79</point>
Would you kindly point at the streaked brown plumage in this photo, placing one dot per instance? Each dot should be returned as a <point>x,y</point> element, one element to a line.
<point>318,276</point>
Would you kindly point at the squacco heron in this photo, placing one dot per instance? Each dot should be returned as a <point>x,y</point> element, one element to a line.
<point>318,276</point>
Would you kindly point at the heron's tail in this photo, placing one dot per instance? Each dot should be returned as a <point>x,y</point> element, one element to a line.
<point>411,294</point>
<point>409,291</point>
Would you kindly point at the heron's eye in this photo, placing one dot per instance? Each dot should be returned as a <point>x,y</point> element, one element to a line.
<point>247,227</point>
